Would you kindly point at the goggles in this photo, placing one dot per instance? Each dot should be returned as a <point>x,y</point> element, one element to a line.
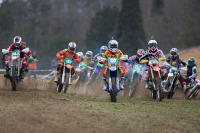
<point>153,45</point>
<point>72,49</point>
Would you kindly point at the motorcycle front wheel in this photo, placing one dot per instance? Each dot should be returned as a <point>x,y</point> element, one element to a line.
<point>192,93</point>
<point>113,93</point>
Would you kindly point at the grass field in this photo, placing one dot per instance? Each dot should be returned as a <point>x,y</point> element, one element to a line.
<point>40,111</point>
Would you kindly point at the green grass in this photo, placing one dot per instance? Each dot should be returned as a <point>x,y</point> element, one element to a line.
<point>146,114</point>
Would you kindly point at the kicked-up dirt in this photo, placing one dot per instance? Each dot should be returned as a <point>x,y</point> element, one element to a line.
<point>36,108</point>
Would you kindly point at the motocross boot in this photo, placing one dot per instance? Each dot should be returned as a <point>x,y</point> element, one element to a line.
<point>146,84</point>
<point>22,73</point>
<point>56,76</point>
<point>122,83</point>
<point>7,73</point>
<point>105,85</point>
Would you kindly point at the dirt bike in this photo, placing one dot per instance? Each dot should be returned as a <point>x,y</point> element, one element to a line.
<point>135,78</point>
<point>155,75</point>
<point>80,75</point>
<point>95,73</point>
<point>15,65</point>
<point>113,76</point>
<point>195,89</point>
<point>64,79</point>
<point>171,82</point>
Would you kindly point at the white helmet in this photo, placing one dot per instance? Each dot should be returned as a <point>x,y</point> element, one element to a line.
<point>89,55</point>
<point>72,47</point>
<point>17,41</point>
<point>174,52</point>
<point>103,49</point>
<point>153,45</point>
<point>80,54</point>
<point>113,45</point>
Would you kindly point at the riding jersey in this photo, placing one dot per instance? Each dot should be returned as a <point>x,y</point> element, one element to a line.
<point>191,71</point>
<point>108,54</point>
<point>66,54</point>
<point>88,62</point>
<point>176,62</point>
<point>151,55</point>
<point>134,58</point>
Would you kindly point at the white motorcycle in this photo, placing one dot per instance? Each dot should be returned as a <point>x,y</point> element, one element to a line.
<point>15,65</point>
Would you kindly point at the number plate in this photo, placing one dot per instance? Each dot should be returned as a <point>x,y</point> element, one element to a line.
<point>15,54</point>
<point>84,65</point>
<point>68,61</point>
<point>174,69</point>
<point>112,60</point>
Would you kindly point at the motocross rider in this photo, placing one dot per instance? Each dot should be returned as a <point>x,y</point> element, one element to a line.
<point>175,61</point>
<point>151,53</point>
<point>66,53</point>
<point>102,51</point>
<point>112,52</point>
<point>136,58</point>
<point>87,59</point>
<point>191,73</point>
<point>17,44</point>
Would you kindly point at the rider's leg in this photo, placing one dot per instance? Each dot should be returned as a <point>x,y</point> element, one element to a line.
<point>57,72</point>
<point>146,78</point>
<point>105,84</point>
<point>183,82</point>
<point>122,77</point>
<point>24,64</point>
<point>7,69</point>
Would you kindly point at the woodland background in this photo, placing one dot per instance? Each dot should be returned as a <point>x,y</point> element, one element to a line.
<point>47,26</point>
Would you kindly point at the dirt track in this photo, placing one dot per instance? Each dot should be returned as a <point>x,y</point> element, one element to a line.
<point>35,108</point>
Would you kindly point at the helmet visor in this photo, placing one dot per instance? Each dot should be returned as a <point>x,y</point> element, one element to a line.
<point>173,53</point>
<point>88,55</point>
<point>103,51</point>
<point>153,45</point>
<point>113,46</point>
<point>72,49</point>
<point>190,62</point>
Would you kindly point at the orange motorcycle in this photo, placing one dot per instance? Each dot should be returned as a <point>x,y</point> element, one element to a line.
<point>155,75</point>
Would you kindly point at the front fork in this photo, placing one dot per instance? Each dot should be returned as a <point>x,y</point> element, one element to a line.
<point>63,75</point>
<point>153,78</point>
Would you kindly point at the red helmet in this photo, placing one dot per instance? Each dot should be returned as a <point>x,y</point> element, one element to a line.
<point>140,52</point>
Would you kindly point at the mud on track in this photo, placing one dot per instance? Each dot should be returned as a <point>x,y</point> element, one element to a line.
<point>35,107</point>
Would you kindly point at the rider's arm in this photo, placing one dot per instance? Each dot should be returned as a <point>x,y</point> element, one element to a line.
<point>10,48</point>
<point>168,60</point>
<point>161,54</point>
<point>182,62</point>
<point>77,59</point>
<point>59,54</point>
<point>120,53</point>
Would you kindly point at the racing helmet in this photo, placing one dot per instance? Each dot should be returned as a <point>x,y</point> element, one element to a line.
<point>72,47</point>
<point>17,41</point>
<point>191,61</point>
<point>153,45</point>
<point>140,52</point>
<point>103,49</point>
<point>113,45</point>
<point>89,55</point>
<point>174,52</point>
